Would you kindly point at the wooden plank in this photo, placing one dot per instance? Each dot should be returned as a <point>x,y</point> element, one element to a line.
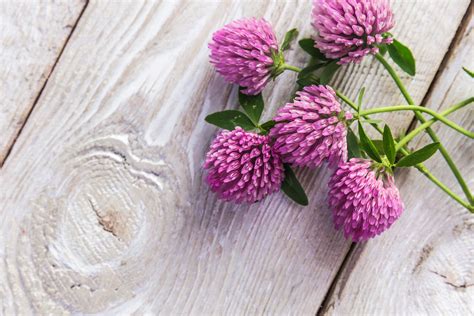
<point>32,36</point>
<point>106,210</point>
<point>424,265</point>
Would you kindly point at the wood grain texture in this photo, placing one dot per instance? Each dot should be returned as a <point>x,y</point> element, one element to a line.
<point>32,36</point>
<point>105,208</point>
<point>424,265</point>
<point>112,214</point>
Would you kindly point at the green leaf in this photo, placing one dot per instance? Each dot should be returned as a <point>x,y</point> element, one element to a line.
<point>317,73</point>
<point>383,49</point>
<point>307,81</point>
<point>252,105</point>
<point>469,72</point>
<point>307,76</point>
<point>378,143</point>
<point>309,70</point>
<point>389,144</point>
<point>403,57</point>
<point>368,146</point>
<point>230,119</point>
<point>314,60</point>
<point>360,98</point>
<point>353,147</point>
<point>307,44</point>
<point>328,72</point>
<point>267,126</point>
<point>418,156</point>
<point>289,37</point>
<point>292,187</point>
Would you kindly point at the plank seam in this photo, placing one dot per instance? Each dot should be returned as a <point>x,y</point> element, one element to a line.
<point>327,298</point>
<point>38,96</point>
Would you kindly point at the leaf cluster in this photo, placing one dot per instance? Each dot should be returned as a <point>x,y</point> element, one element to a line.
<point>249,119</point>
<point>384,151</point>
<point>320,70</point>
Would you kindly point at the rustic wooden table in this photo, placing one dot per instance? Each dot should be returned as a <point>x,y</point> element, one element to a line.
<point>103,208</point>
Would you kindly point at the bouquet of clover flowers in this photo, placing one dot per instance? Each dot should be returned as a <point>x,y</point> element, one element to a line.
<point>250,160</point>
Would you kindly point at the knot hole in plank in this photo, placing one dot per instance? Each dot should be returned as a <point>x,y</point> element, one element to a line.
<point>99,236</point>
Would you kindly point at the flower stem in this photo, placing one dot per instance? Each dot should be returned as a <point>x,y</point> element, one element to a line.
<point>427,124</point>
<point>430,132</point>
<point>292,68</point>
<point>421,167</point>
<point>348,101</point>
<point>395,78</point>
<point>419,109</point>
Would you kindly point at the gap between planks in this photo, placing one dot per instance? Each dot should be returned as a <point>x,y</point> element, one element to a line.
<point>40,92</point>
<point>342,268</point>
<point>349,259</point>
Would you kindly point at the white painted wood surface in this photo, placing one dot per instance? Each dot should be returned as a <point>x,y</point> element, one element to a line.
<point>103,204</point>
<point>424,265</point>
<point>32,34</point>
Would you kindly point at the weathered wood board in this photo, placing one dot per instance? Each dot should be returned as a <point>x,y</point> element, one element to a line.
<point>104,208</point>
<point>424,265</point>
<point>32,35</point>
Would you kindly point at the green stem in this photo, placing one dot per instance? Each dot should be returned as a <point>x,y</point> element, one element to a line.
<point>421,167</point>
<point>430,132</point>
<point>423,126</point>
<point>419,109</point>
<point>292,68</point>
<point>395,78</point>
<point>348,101</point>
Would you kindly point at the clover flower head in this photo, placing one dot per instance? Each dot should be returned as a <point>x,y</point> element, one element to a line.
<point>243,167</point>
<point>312,129</point>
<point>364,199</point>
<point>349,30</point>
<point>245,52</point>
